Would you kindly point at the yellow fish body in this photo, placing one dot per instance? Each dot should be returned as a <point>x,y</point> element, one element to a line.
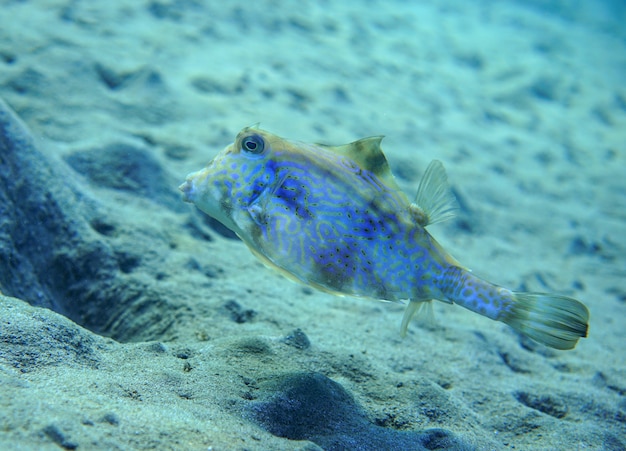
<point>333,217</point>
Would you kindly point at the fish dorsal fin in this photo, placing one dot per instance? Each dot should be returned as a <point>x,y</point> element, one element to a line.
<point>368,155</point>
<point>434,201</point>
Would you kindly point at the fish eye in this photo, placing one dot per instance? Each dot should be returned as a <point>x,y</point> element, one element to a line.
<point>253,144</point>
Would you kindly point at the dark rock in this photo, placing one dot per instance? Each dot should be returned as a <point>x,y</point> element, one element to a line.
<point>298,339</point>
<point>103,227</point>
<point>127,261</point>
<point>580,246</point>
<point>111,419</point>
<point>310,406</point>
<point>57,250</point>
<point>437,438</point>
<point>237,313</point>
<point>39,209</point>
<point>55,434</point>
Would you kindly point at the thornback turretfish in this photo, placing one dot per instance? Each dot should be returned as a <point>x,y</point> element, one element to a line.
<point>333,217</point>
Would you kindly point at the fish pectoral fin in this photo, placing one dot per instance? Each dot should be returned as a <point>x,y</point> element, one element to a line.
<point>435,201</point>
<point>424,309</point>
<point>258,206</point>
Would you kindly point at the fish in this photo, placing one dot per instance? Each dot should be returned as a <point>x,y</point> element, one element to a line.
<point>334,218</point>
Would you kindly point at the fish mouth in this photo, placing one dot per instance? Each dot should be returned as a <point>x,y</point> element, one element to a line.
<point>188,190</point>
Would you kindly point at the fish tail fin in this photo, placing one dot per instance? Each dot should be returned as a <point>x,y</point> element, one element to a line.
<point>553,320</point>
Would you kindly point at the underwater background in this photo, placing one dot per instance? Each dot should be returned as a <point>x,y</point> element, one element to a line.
<point>130,320</point>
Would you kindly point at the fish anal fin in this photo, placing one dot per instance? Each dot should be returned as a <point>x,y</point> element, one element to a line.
<point>434,201</point>
<point>423,310</point>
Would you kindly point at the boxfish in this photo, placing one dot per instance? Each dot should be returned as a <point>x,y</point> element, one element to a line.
<point>334,218</point>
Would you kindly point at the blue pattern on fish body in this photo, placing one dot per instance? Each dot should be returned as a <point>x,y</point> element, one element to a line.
<point>334,218</point>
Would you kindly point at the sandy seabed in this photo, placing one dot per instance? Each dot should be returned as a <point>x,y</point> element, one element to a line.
<point>130,320</point>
